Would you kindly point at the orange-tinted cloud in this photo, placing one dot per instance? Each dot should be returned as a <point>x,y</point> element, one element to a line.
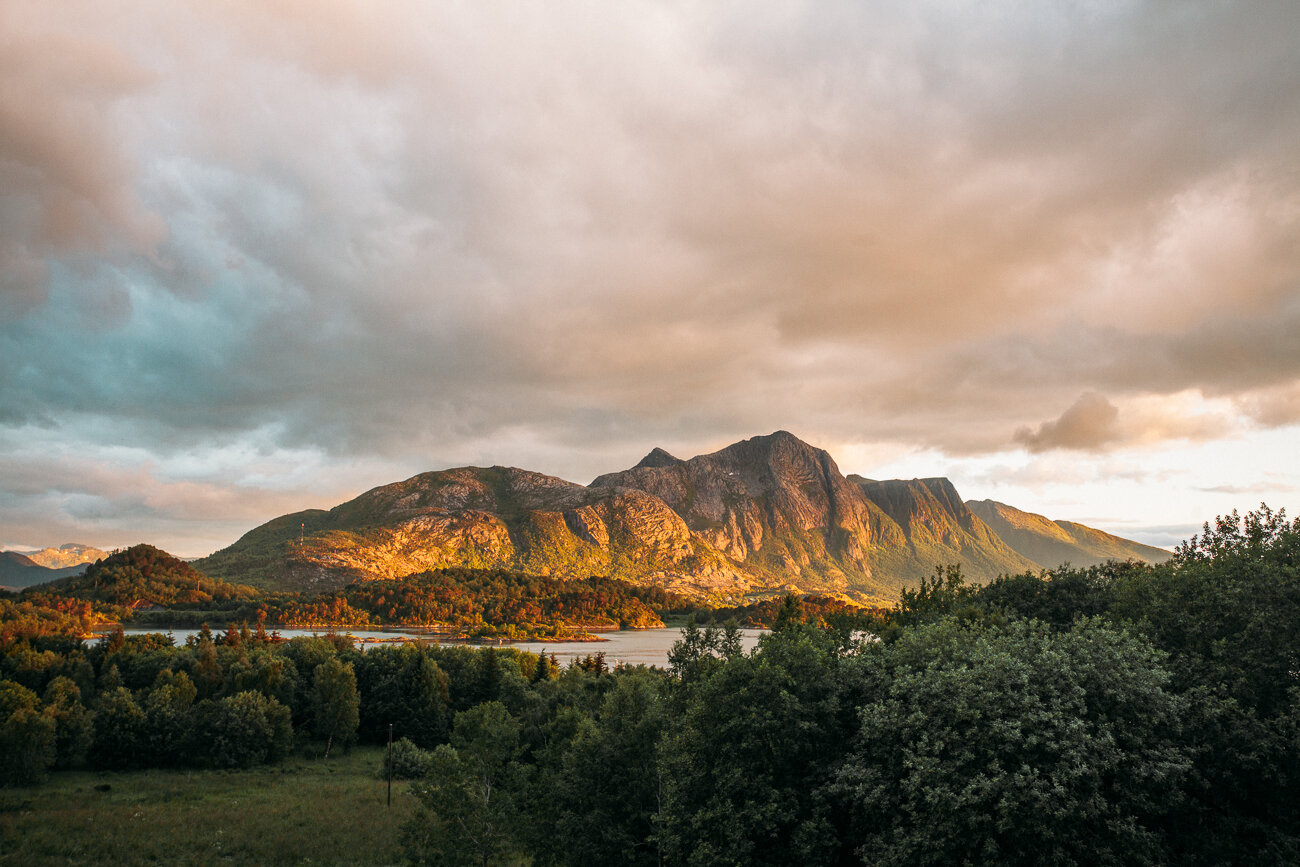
<point>552,235</point>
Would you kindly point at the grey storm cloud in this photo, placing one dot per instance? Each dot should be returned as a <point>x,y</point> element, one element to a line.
<point>1090,423</point>
<point>438,232</point>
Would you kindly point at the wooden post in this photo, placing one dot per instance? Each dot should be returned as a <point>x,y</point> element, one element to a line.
<point>390,764</point>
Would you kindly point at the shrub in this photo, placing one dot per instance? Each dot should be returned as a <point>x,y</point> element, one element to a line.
<point>244,729</point>
<point>409,761</point>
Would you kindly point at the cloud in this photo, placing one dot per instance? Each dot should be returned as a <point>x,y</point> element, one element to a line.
<point>73,487</point>
<point>1273,407</point>
<point>555,236</point>
<point>1089,424</point>
<point>1248,489</point>
<point>67,177</point>
<point>1094,423</point>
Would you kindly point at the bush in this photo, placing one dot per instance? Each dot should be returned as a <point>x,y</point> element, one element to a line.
<point>244,729</point>
<point>409,761</point>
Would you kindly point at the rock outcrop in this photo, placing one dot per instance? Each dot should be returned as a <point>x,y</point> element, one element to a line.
<point>774,503</point>
<point>939,528</point>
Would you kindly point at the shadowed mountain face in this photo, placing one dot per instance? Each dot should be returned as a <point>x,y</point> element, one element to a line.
<point>941,529</point>
<point>765,514</point>
<point>20,570</point>
<point>1055,542</point>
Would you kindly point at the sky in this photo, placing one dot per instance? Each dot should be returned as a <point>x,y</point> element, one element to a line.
<point>262,256</point>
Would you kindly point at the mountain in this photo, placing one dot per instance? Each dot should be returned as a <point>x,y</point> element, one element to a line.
<point>19,570</point>
<point>766,514</point>
<point>65,556</point>
<point>1052,543</point>
<point>775,504</point>
<point>497,517</point>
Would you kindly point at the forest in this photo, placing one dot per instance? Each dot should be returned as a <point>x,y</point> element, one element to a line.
<point>1120,714</point>
<point>144,586</point>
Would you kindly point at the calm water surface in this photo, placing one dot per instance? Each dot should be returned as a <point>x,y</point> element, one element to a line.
<point>630,646</point>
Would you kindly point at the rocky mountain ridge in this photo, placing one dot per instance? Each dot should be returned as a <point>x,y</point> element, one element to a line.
<point>767,514</point>
<point>65,556</point>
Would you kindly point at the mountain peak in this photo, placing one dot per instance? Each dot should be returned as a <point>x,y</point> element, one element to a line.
<point>776,450</point>
<point>658,458</point>
<point>781,438</point>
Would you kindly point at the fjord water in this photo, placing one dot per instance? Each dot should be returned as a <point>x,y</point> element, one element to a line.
<point>628,646</point>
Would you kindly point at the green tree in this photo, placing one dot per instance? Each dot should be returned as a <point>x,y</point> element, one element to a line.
<point>469,804</point>
<point>1058,596</point>
<point>403,687</point>
<point>1013,746</point>
<point>243,730</point>
<point>272,674</point>
<point>169,718</point>
<point>27,736</point>
<point>742,761</point>
<point>335,703</point>
<point>1227,610</point>
<point>608,788</point>
<point>701,651</point>
<point>304,653</point>
<point>790,613</point>
<point>74,724</point>
<point>208,674</point>
<point>944,594</point>
<point>119,731</point>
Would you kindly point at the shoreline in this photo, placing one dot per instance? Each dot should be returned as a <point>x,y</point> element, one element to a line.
<point>399,634</point>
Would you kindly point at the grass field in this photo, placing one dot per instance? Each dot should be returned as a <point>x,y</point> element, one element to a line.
<point>302,811</point>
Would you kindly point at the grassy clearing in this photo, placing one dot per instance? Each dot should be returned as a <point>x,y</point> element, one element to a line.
<point>302,811</point>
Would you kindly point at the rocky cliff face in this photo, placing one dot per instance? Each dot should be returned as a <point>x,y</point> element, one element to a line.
<point>774,503</point>
<point>765,514</point>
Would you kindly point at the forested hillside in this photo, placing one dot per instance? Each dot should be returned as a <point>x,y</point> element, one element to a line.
<point>483,602</point>
<point>143,573</point>
<point>143,586</point>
